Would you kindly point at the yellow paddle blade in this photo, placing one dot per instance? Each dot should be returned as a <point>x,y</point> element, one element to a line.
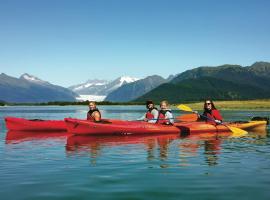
<point>184,108</point>
<point>237,132</point>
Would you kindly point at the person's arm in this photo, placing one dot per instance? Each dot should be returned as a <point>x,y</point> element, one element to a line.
<point>96,116</point>
<point>155,114</point>
<point>169,116</point>
<point>216,114</point>
<point>142,118</point>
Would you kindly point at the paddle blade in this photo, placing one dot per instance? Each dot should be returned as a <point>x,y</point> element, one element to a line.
<point>188,118</point>
<point>237,132</point>
<point>184,108</point>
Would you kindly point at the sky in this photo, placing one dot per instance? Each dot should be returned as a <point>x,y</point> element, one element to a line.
<point>67,42</point>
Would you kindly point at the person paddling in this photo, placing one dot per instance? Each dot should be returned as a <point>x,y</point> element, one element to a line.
<point>211,113</point>
<point>93,114</point>
<point>165,114</point>
<point>151,115</point>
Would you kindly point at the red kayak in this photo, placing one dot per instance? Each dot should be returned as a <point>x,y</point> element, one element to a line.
<point>21,124</point>
<point>117,127</point>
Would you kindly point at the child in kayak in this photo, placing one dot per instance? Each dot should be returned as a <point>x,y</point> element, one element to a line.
<point>151,115</point>
<point>211,114</point>
<point>93,113</point>
<point>165,114</point>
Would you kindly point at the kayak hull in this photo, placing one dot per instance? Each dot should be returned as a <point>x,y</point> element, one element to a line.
<point>21,124</point>
<point>117,127</point>
<point>203,127</point>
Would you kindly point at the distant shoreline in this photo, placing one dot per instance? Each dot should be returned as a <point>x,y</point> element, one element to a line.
<point>263,104</point>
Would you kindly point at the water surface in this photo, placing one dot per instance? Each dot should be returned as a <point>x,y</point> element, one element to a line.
<point>60,166</point>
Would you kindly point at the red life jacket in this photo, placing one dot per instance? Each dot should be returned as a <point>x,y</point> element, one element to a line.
<point>214,114</point>
<point>161,117</point>
<point>149,114</point>
<point>90,114</point>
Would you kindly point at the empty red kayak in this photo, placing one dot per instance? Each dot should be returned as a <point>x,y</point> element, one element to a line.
<point>21,124</point>
<point>117,127</point>
<point>203,127</point>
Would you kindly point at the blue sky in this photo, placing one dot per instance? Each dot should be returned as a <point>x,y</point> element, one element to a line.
<point>68,42</point>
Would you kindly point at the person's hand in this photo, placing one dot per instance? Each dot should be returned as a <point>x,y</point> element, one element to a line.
<point>197,113</point>
<point>217,121</point>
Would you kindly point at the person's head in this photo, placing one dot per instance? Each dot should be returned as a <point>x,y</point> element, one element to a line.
<point>164,105</point>
<point>92,105</point>
<point>209,105</point>
<point>149,104</point>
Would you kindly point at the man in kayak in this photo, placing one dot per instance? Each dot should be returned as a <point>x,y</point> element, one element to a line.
<point>93,113</point>
<point>165,114</point>
<point>211,114</point>
<point>151,115</point>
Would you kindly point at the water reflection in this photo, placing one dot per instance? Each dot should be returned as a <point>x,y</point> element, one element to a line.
<point>157,147</point>
<point>15,137</point>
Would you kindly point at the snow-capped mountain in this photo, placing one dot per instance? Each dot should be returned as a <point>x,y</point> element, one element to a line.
<point>92,87</point>
<point>33,79</point>
<point>135,89</point>
<point>30,89</point>
<point>97,90</point>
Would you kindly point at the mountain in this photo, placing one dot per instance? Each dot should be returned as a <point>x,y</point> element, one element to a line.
<point>94,87</point>
<point>255,75</point>
<point>99,89</point>
<point>226,82</point>
<point>130,91</point>
<point>33,79</point>
<point>30,89</point>
<point>202,88</point>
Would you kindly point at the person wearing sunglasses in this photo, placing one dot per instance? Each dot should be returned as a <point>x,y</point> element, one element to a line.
<point>152,112</point>
<point>211,114</point>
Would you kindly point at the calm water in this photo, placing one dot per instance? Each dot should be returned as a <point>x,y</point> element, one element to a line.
<point>129,167</point>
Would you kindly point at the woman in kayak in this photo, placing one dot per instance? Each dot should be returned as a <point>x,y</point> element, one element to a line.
<point>211,114</point>
<point>93,113</point>
<point>165,114</point>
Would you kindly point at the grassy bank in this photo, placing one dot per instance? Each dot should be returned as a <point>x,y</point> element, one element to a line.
<point>235,105</point>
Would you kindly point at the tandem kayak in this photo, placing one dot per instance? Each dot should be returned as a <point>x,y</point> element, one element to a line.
<point>21,124</point>
<point>117,127</point>
<point>203,127</point>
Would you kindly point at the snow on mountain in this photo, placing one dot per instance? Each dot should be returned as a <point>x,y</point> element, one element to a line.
<point>100,88</point>
<point>30,89</point>
<point>32,78</point>
<point>90,98</point>
<point>88,84</point>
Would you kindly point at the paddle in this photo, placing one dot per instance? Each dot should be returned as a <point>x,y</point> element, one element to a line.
<point>182,118</point>
<point>237,132</point>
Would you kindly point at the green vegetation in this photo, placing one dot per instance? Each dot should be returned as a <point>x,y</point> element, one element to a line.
<point>235,105</point>
<point>193,90</point>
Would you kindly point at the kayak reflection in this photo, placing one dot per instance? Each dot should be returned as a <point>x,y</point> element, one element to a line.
<point>15,137</point>
<point>94,144</point>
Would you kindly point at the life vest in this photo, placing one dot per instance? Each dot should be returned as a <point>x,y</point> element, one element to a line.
<point>90,114</point>
<point>162,117</point>
<point>149,114</point>
<point>212,115</point>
